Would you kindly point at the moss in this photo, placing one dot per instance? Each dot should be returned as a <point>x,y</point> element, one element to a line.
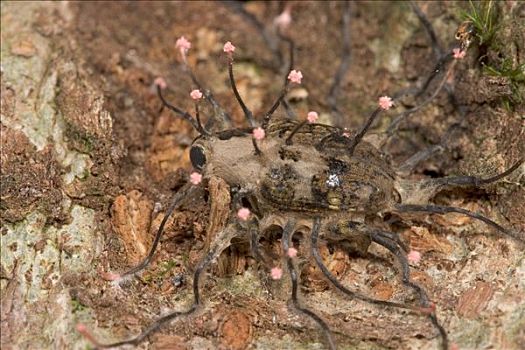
<point>246,284</point>
<point>165,268</point>
<point>81,141</point>
<point>77,306</point>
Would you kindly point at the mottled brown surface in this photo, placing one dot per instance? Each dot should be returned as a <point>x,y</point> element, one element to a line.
<point>30,178</point>
<point>475,300</point>
<point>88,68</point>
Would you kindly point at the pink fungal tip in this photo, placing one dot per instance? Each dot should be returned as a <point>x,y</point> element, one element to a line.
<point>458,53</point>
<point>183,45</point>
<point>385,102</point>
<point>259,133</point>
<point>110,276</point>
<point>228,47</point>
<point>283,20</point>
<point>453,346</point>
<point>160,82</point>
<point>195,178</point>
<point>312,117</point>
<point>243,214</point>
<point>81,328</point>
<point>196,94</point>
<point>295,76</point>
<point>292,252</point>
<point>429,310</point>
<point>276,273</point>
<point>414,257</point>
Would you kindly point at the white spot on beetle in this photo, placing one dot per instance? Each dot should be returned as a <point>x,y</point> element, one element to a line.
<point>333,181</point>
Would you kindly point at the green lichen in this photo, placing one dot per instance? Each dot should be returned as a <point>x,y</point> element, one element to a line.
<point>165,268</point>
<point>76,306</point>
<point>80,140</point>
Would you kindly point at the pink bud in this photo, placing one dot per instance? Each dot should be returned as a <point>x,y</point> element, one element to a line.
<point>109,276</point>
<point>259,133</point>
<point>228,47</point>
<point>292,252</point>
<point>458,53</point>
<point>196,94</point>
<point>81,328</point>
<point>183,45</point>
<point>429,310</point>
<point>414,257</point>
<point>283,20</point>
<point>312,117</point>
<point>160,82</point>
<point>385,102</point>
<point>453,346</point>
<point>295,76</point>
<point>243,214</point>
<point>195,178</point>
<point>276,273</point>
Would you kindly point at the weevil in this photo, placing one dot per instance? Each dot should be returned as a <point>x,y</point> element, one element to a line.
<point>331,183</point>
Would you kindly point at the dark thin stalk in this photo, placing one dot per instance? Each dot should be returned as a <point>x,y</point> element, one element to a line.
<point>177,200</point>
<point>346,54</point>
<point>394,248</point>
<point>160,322</point>
<point>185,115</point>
<point>285,243</point>
<point>319,260</point>
<point>247,113</point>
<point>359,136</point>
<point>288,140</point>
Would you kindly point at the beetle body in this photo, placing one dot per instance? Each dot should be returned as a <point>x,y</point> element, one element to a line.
<point>303,176</point>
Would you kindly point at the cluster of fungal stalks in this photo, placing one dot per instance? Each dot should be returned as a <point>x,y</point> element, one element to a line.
<point>301,175</point>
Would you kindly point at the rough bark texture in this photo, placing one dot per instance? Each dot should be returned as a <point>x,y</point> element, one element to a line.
<point>89,165</point>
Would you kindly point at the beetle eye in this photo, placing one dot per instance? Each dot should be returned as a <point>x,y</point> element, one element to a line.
<point>197,157</point>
